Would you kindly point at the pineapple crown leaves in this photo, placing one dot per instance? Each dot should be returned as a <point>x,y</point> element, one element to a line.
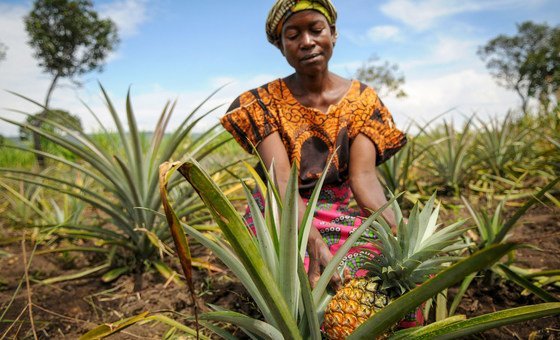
<point>418,251</point>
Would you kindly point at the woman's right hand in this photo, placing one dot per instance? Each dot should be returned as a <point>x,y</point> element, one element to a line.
<point>319,258</point>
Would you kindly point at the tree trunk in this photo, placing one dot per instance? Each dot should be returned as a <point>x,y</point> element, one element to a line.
<point>37,123</point>
<point>50,91</point>
<point>524,100</point>
<point>37,145</point>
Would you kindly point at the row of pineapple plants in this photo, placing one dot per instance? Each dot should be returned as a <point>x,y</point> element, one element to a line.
<point>495,156</point>
<point>403,170</point>
<point>270,265</point>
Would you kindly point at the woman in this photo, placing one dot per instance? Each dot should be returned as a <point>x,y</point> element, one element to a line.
<point>311,114</point>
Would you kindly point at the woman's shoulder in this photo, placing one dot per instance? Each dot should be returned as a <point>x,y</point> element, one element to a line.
<point>263,93</point>
<point>357,90</point>
<point>363,89</point>
<point>356,86</point>
<point>364,94</point>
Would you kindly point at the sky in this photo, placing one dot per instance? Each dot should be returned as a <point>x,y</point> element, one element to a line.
<point>184,50</point>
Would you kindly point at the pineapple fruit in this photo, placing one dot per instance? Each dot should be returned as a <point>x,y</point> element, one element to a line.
<point>406,260</point>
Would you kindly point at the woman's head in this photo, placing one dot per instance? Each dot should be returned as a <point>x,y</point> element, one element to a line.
<point>283,9</point>
<point>305,33</point>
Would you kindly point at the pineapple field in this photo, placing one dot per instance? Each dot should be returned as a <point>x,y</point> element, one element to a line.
<point>127,234</point>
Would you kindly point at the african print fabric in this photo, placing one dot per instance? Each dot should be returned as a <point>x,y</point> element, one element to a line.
<point>311,136</point>
<point>282,10</point>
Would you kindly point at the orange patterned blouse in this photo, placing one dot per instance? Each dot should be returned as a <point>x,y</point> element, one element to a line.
<point>309,135</point>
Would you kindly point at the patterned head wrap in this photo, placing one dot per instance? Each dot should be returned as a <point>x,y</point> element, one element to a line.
<point>282,10</point>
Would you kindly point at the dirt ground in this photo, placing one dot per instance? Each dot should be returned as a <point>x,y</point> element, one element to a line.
<point>539,227</point>
<point>67,310</point>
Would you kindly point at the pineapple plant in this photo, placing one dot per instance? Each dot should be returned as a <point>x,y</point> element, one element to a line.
<point>406,260</point>
<point>280,288</point>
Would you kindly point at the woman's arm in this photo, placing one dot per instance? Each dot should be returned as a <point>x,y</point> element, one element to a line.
<point>272,148</point>
<point>365,185</point>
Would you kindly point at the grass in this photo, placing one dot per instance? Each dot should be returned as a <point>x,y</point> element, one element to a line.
<point>12,157</point>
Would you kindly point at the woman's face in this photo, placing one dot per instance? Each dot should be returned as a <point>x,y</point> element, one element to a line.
<point>307,42</point>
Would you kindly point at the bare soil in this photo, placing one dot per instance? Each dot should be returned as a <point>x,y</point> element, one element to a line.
<point>69,309</point>
<point>540,227</point>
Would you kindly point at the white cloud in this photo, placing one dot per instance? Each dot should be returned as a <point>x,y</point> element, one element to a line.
<point>424,14</point>
<point>19,71</point>
<point>128,15</point>
<point>375,34</point>
<point>467,87</point>
<point>449,49</point>
<point>445,50</point>
<point>346,69</point>
<point>465,92</point>
<point>384,32</point>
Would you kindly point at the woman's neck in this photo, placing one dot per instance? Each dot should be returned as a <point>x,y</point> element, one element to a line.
<point>319,91</point>
<point>302,85</point>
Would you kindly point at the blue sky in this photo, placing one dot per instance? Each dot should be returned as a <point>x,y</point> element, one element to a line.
<point>186,49</point>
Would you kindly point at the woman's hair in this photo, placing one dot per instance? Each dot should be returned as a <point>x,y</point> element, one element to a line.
<point>282,10</point>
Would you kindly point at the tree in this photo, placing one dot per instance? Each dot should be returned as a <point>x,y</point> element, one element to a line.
<point>528,62</point>
<point>69,40</point>
<point>384,78</point>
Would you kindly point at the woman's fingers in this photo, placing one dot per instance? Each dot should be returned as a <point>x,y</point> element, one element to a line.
<point>326,257</point>
<point>314,274</point>
<point>347,274</point>
<point>336,282</point>
<point>319,258</point>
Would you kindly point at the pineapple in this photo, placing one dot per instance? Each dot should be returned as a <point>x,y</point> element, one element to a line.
<point>405,261</point>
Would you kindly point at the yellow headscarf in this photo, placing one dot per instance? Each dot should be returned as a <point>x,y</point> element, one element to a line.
<point>282,9</point>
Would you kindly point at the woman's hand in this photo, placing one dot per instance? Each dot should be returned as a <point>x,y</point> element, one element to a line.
<point>319,258</point>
